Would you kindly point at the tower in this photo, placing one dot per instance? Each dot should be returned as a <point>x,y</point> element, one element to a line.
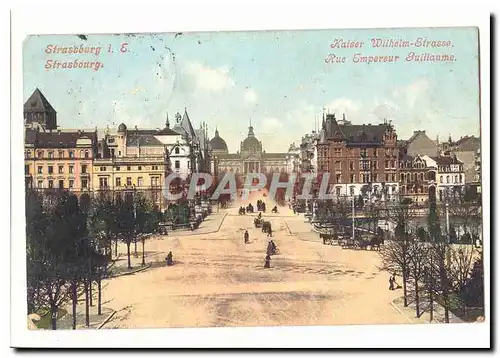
<point>37,109</point>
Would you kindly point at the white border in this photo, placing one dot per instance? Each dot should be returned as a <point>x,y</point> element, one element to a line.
<point>93,17</point>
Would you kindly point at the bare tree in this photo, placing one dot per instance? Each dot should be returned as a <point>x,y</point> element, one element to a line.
<point>418,257</point>
<point>395,254</point>
<point>462,261</point>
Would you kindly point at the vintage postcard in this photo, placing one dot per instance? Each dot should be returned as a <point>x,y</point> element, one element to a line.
<point>253,179</point>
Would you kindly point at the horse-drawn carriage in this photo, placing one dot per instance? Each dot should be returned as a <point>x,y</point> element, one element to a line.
<point>266,226</point>
<point>362,243</point>
<point>257,222</point>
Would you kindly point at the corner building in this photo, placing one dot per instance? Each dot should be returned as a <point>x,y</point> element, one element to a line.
<point>359,157</point>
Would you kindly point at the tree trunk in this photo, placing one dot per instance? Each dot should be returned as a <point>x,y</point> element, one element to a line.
<point>417,298</point>
<point>446,308</point>
<point>143,257</point>
<point>74,296</point>
<point>116,247</point>
<point>87,318</point>
<point>405,290</point>
<point>53,316</point>
<point>135,247</point>
<point>99,298</point>
<point>128,254</point>
<point>90,293</point>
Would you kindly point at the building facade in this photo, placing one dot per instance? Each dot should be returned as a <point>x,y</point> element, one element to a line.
<point>251,158</point>
<point>420,144</point>
<point>359,158</point>
<point>417,179</point>
<point>450,176</point>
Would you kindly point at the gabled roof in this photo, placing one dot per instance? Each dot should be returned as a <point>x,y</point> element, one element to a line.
<point>445,160</point>
<point>167,131</point>
<point>364,134</point>
<point>38,103</point>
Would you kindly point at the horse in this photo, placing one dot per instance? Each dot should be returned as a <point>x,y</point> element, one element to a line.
<point>376,242</point>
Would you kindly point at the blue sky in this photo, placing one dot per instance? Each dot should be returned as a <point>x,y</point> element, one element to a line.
<point>278,79</point>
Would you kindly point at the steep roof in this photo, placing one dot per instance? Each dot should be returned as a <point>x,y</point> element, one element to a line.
<point>57,139</point>
<point>167,131</point>
<point>364,134</point>
<point>38,103</point>
<point>445,160</point>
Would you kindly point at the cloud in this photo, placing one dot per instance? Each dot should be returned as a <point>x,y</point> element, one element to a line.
<point>209,79</point>
<point>343,105</point>
<point>250,96</point>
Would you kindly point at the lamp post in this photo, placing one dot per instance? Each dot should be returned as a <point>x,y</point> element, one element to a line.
<point>353,214</point>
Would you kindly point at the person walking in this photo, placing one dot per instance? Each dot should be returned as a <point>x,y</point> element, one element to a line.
<point>391,283</point>
<point>267,263</point>
<point>247,236</point>
<point>170,259</point>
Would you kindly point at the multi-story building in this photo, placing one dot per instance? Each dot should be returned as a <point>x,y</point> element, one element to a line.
<point>55,159</point>
<point>465,150</point>
<point>309,152</point>
<point>420,144</point>
<point>59,160</point>
<point>359,158</point>
<point>417,178</point>
<point>450,176</point>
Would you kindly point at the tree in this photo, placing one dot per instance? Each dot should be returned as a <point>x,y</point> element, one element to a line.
<point>418,261</point>
<point>395,254</point>
<point>125,223</point>
<point>461,267</point>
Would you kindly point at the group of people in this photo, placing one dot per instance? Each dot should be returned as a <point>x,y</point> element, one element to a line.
<point>392,283</point>
<point>275,209</point>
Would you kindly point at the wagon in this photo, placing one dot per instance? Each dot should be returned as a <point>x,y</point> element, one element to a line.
<point>257,222</point>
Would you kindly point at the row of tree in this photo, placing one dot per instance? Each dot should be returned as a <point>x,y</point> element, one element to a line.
<point>431,268</point>
<point>69,246</point>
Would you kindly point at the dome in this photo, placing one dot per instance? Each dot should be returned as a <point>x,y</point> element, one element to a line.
<point>217,143</point>
<point>122,128</point>
<point>251,143</point>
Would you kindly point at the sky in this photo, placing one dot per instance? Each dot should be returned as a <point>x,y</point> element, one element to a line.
<point>278,80</point>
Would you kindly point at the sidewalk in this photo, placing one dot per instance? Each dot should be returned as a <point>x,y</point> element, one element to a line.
<point>211,224</point>
<point>410,313</point>
<point>95,320</point>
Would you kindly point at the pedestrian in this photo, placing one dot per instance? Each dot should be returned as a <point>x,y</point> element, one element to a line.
<point>269,232</point>
<point>247,236</point>
<point>391,283</point>
<point>170,259</point>
<point>267,263</point>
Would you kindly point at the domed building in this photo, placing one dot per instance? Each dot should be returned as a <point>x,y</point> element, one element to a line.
<point>251,158</point>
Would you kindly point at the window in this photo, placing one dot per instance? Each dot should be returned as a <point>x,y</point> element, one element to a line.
<point>39,154</point>
<point>103,182</point>
<point>154,181</point>
<point>86,154</point>
<point>393,178</point>
<point>102,169</point>
<point>118,181</point>
<point>40,184</point>
<point>338,178</point>
<point>387,164</point>
<point>26,169</point>
<point>112,152</point>
<point>119,153</point>
<point>352,178</point>
<point>129,181</point>
<point>351,165</point>
<point>375,165</point>
<point>375,177</point>
<point>139,167</point>
<point>460,176</point>
<point>51,184</point>
<point>177,164</point>
<point>363,152</point>
<point>139,181</point>
<point>117,169</point>
<point>61,183</point>
<point>189,164</point>
<point>61,154</point>
<point>338,165</point>
<point>71,154</point>
<point>84,168</point>
<point>337,191</point>
<point>154,167</point>
<point>61,169</point>
<point>85,183</point>
<point>71,183</point>
<point>456,179</point>
<point>375,152</point>
<point>176,150</point>
<point>71,169</point>
<point>351,190</point>
<point>386,178</point>
<point>448,179</point>
<point>51,169</point>
<point>81,154</point>
<point>128,168</point>
<point>40,169</point>
<point>338,152</point>
<point>28,154</point>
